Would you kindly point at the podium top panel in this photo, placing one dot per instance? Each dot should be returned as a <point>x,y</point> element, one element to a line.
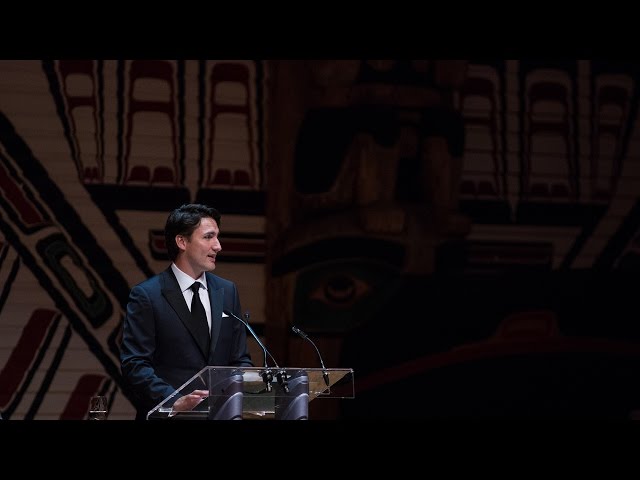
<point>257,390</point>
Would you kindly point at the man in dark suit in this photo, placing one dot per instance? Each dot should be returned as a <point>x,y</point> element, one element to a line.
<point>163,344</point>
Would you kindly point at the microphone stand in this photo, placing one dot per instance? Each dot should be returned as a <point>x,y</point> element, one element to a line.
<point>267,375</point>
<point>325,373</point>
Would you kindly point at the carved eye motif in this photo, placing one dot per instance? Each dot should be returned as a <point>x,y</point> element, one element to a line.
<point>338,295</point>
<point>340,290</point>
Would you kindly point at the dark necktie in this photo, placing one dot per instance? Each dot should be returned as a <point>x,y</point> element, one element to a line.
<point>199,315</point>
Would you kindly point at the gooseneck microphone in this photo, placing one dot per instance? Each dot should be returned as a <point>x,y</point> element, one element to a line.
<point>325,374</point>
<point>267,376</point>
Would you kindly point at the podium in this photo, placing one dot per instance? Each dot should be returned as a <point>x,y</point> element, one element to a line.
<point>254,393</point>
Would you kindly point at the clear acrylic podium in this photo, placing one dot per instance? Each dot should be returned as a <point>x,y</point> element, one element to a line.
<point>253,393</point>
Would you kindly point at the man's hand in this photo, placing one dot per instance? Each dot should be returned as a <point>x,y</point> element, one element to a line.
<point>189,401</point>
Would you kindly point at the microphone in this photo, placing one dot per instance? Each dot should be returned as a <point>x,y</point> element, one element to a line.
<point>325,374</point>
<point>267,376</point>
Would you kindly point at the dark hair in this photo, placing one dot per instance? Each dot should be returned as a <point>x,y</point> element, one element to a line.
<point>183,221</point>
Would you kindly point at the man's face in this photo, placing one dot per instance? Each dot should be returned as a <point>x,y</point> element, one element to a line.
<point>200,250</point>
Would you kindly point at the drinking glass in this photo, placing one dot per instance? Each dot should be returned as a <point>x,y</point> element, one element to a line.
<point>98,407</point>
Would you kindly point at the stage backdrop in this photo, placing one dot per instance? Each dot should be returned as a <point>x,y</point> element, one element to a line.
<point>467,230</point>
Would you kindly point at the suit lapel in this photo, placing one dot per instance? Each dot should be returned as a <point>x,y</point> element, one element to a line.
<point>215,299</point>
<point>171,291</point>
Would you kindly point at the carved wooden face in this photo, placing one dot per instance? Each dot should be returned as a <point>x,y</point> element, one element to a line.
<point>373,175</point>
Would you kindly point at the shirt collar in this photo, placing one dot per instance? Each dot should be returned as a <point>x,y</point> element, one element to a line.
<point>185,281</point>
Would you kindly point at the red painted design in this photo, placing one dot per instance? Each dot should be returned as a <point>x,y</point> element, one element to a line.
<point>15,370</point>
<point>77,406</point>
<point>13,193</point>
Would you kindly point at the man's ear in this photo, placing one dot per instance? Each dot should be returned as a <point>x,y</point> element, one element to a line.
<point>181,242</point>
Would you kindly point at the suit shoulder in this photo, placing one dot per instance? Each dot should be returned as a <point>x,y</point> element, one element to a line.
<point>219,281</point>
<point>150,283</point>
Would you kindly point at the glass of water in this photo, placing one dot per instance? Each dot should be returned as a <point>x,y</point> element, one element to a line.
<point>98,407</point>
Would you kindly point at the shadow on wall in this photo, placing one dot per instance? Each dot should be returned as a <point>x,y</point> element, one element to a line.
<point>554,344</point>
